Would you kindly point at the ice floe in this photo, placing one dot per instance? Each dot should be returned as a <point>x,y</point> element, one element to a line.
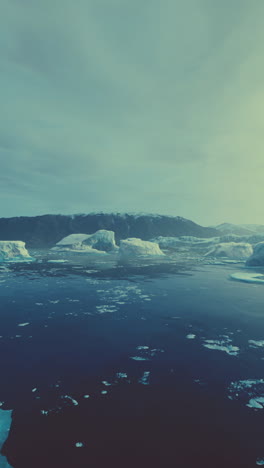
<point>250,391</point>
<point>190,336</point>
<point>79,444</point>
<point>260,461</point>
<point>144,380</point>
<point>23,324</point>
<point>139,358</point>
<point>248,277</point>
<point>223,344</point>
<point>256,343</point>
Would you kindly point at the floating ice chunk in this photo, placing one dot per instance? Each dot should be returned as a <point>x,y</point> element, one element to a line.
<point>121,375</point>
<point>104,392</point>
<point>256,403</point>
<point>106,309</point>
<point>251,391</point>
<point>58,261</point>
<point>34,390</point>
<point>39,303</point>
<point>23,324</point>
<point>222,345</point>
<point>256,343</point>
<point>67,397</point>
<point>79,444</point>
<point>86,396</point>
<point>145,378</point>
<point>190,336</point>
<point>260,462</point>
<point>54,302</point>
<point>139,358</point>
<point>107,384</point>
<point>247,277</point>
<point>142,347</point>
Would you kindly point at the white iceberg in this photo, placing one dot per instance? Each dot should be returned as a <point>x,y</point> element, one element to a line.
<point>257,256</point>
<point>238,251</point>
<point>134,247</point>
<point>13,251</point>
<point>100,242</point>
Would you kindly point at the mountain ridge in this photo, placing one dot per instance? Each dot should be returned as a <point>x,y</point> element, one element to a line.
<point>46,230</point>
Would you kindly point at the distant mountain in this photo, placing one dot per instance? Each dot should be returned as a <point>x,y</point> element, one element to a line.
<point>47,230</point>
<point>240,229</point>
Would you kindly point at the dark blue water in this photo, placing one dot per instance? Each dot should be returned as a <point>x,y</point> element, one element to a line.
<point>82,324</point>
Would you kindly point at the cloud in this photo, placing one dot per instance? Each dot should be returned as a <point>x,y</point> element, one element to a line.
<point>123,104</point>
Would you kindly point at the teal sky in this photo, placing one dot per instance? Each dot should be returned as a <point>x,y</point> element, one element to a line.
<point>143,105</point>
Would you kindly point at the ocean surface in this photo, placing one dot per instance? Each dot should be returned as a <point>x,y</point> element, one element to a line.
<point>147,364</point>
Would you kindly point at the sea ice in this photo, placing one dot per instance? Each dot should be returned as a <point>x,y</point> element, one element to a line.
<point>250,390</point>
<point>256,343</point>
<point>145,378</point>
<point>260,462</point>
<point>222,345</point>
<point>248,277</point>
<point>139,358</point>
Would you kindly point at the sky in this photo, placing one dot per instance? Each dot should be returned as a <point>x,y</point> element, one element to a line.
<point>133,106</point>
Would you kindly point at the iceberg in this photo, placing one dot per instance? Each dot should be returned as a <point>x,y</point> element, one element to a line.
<point>257,256</point>
<point>5,423</point>
<point>238,251</point>
<point>186,241</point>
<point>13,251</point>
<point>100,242</point>
<point>134,247</point>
